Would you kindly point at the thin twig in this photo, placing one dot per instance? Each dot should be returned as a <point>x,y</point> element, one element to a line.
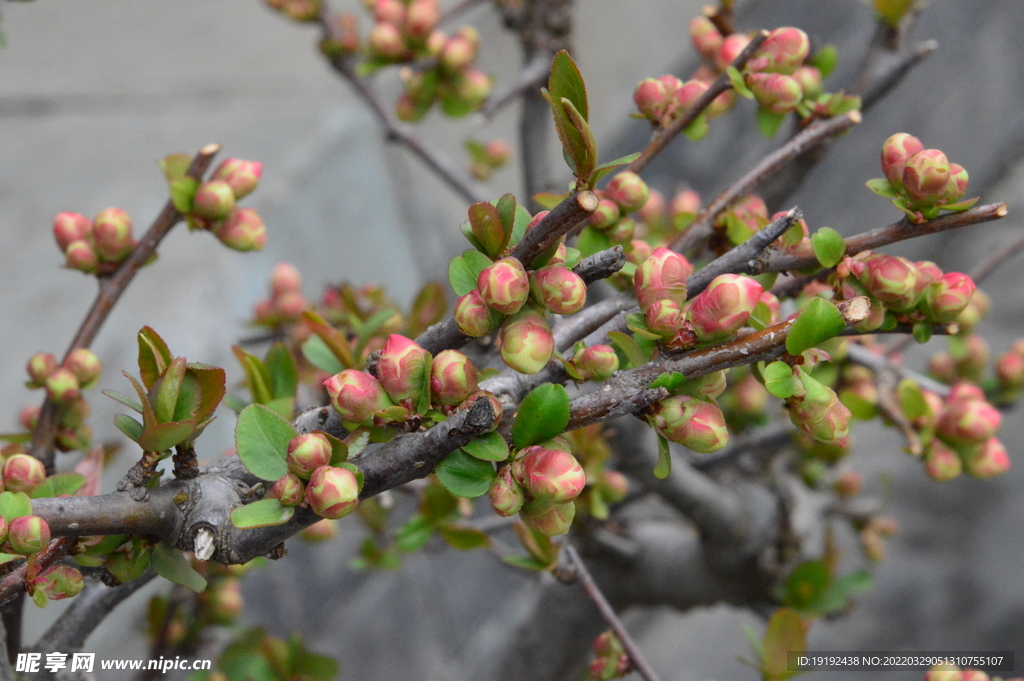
<point>1003,255</point>
<point>458,9</point>
<point>878,363</point>
<point>531,76</point>
<point>594,591</point>
<point>894,73</point>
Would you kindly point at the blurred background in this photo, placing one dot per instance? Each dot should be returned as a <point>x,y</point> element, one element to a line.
<point>94,92</point>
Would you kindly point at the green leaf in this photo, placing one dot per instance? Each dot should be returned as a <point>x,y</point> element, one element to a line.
<point>123,399</point>
<point>825,60</point>
<point>519,225</point>
<point>761,316</point>
<point>603,169</point>
<point>829,246</point>
<point>148,416</point>
<point>697,130</point>
<point>542,415</point>
<point>282,406</point>
<point>464,270</point>
<point>922,332</point>
<point>768,122</point>
<point>664,466</point>
<point>465,476</point>
<point>332,338</point>
<point>14,505</point>
<point>212,386</point>
<point>548,200</point>
<point>881,186</point>
<point>166,389</point>
<point>737,230</point>
<point>175,166</point>
<point>284,376</point>
<point>817,322</point>
<point>189,398</point>
<point>585,150</point>
<point>130,427</point>
<point>261,438</point>
<point>487,447</point>
<point>171,564</point>
<point>320,356</point>
<point>58,485</point>
<point>911,400</point>
<point>806,584</point>
<point>738,84</point>
<point>257,378</point>
<point>154,356</point>
<point>262,513</point>
<point>629,348</point>
<point>183,191</point>
<point>778,380</point>
<point>960,206</point>
<point>858,406</point>
<point>414,534</point>
<point>462,537</point>
<point>671,382</point>
<point>525,562</point>
<point>507,210</point>
<point>842,590</point>
<point>592,241</point>
<point>487,228</point>
<point>164,436</point>
<point>566,81</point>
<point>39,598</point>
<point>785,634</point>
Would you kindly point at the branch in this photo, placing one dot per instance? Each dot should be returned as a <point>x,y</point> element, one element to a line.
<point>458,9</point>
<point>111,288</point>
<point>532,75</point>
<point>996,260</point>
<point>635,656</point>
<point>880,363</point>
<point>810,137</point>
<point>12,586</point>
<point>559,221</point>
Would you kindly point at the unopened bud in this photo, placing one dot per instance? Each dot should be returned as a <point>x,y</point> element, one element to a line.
<point>705,36</point>
<point>289,490</point>
<point>783,51</point>
<point>776,92</point>
<point>941,463</point>
<point>332,492</point>
<point>452,377</point>
<point>214,200</point>
<point>28,534</point>
<point>895,152</point>
<point>285,279</point>
<point>693,423</point>
<point>651,98</point>
<point>558,289</point>
<point>662,276</point>
<point>473,87</point>
<point>990,459</point>
<point>356,396</point>
<point>243,231</point>
<point>551,475</point>
<point>389,11</point>
<point>969,421</point>
<point>386,42</point>
<point>421,19</point>
<point>724,306</point>
<point>59,582</point>
<point>68,227</point>
<point>29,418</point>
<point>664,317</point>
<point>1010,370</point>
<point>62,386</point>
<point>732,45</point>
<point>549,519</point>
<point>458,53</point>
<point>628,191</point>
<point>849,484</point>
<point>948,296</point>
<point>80,255</point>
<point>685,202</point>
<point>504,285</point>
<point>893,280</point>
<point>242,176</point>
<point>112,234</point>
<point>474,317</point>
<point>606,215</point>
<point>23,473</point>
<point>85,365</point>
<point>39,367</point>
<point>956,186</point>
<point>925,176</point>
<point>506,494</point>
<point>306,453</point>
<point>596,363</point>
<point>809,78</point>
<point>403,367</point>
<point>526,342</point>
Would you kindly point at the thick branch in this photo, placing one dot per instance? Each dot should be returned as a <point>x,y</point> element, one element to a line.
<point>576,208</point>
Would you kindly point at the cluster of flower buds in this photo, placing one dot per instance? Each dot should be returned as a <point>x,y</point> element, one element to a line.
<point>966,360</point>
<point>486,158</point>
<point>666,98</point>
<point>94,246</point>
<point>694,422</point>
<point>297,10</point>
<point>64,384</point>
<point>540,485</point>
<point>965,430</point>
<point>214,206</point>
<point>286,302</point>
<point>815,408</point>
<point>331,492</point>
<point>610,659</point>
<point>739,222</point>
<point>626,193</point>
<point>920,181</point>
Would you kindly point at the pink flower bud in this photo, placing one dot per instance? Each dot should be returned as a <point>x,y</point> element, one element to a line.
<point>819,413</point>
<point>639,251</point>
<point>654,210</point>
<point>389,11</point>
<point>948,296</point>
<point>356,395</point>
<point>628,191</point>
<point>956,186</point>
<point>684,96</point>
<point>506,494</point>
<point>214,200</point>
<point>724,306</point>
<point>289,490</point>
<point>81,256</point>
<point>776,92</point>
<point>549,519</point>
<point>941,463</point>
<point>1010,370</point>
<point>403,367</point>
<point>895,152</point>
<point>306,453</point>
<point>473,86</point>
<point>29,418</point>
<point>651,98</point>
<point>809,78</point>
<point>558,289</point>
<point>849,484</point>
<point>452,377</point>
<point>458,53</point>
<point>473,316</point>
<point>386,42</point>
<point>990,460</point>
<point>112,234</point>
<point>925,176</point>
<point>342,39</point>
<point>551,475</point>
<point>968,421</point>
<point>965,391</point>
<point>974,675</point>
<point>285,279</point>
<point>664,317</point>
<point>85,365</point>
<point>241,176</point>
<point>498,152</point>
<point>68,227</point>
<point>686,201</point>
<point>62,386</point>
<point>662,276</point>
<point>504,285</point>
<point>694,423</point>
<point>893,280</point>
<point>223,602</point>
<point>606,215</point>
<point>332,492</point>
<point>421,19</point>
<point>39,367</point>
<point>731,48</point>
<point>23,473</point>
<point>526,342</point>
<point>58,582</point>
<point>243,231</point>
<point>705,36</point>
<point>782,52</point>
<point>596,363</point>
<point>28,534</point>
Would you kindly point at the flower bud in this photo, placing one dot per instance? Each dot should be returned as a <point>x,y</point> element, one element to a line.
<point>59,582</point>
<point>596,363</point>
<point>289,489</point>
<point>81,256</point>
<point>421,19</point>
<point>85,365</point>
<point>526,342</point>
<point>39,367</point>
<point>241,176</point>
<point>69,227</point>
<point>809,78</point>
<point>23,473</point>
<point>504,285</point>
<point>686,201</point>
<point>776,92</point>
<point>549,519</point>
<point>389,11</point>
<point>891,279</point>
<point>948,296</point>
<point>628,191</point>
<point>664,317</point>
<point>356,395</point>
<point>29,418</point>
<point>558,289</point>
<point>243,231</point>
<point>990,459</point>
<point>925,176</point>
<point>969,421</point>
<point>662,276</point>
<point>965,391</point>
<point>707,40</point>
<point>849,484</point>
<point>306,453</point>
<point>473,86</point>
<point>386,42</point>
<point>606,215</point>
<point>112,234</point>
<point>639,251</point>
<point>474,317</point>
<point>941,463</point>
<point>452,377</point>
<point>693,423</point>
<point>332,492</point>
<point>342,38</point>
<point>551,475</point>
<point>214,200</point>
<point>458,53</point>
<point>402,368</point>
<point>956,186</point>
<point>62,386</point>
<point>724,306</point>
<point>895,152</point>
<point>285,279</point>
<point>682,97</point>
<point>651,98</point>
<point>28,534</point>
<point>783,51</point>
<point>732,45</point>
<point>506,494</point>
<point>1010,370</point>
<point>224,602</point>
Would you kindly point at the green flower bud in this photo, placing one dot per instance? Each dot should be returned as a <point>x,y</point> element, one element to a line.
<point>628,191</point>
<point>452,377</point>
<point>549,519</point>
<point>85,365</point>
<point>504,286</point>
<point>332,492</point>
<point>356,396</point>
<point>23,473</point>
<point>526,342</point>
<point>112,234</point>
<point>62,386</point>
<point>506,494</point>
<point>474,317</point>
<point>694,423</point>
<point>39,367</point>
<point>306,453</point>
<point>558,289</point>
<point>28,534</point>
<point>214,200</point>
<point>289,490</point>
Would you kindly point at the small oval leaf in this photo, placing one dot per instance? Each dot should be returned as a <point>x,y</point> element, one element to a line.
<point>166,435</point>
<point>465,476</point>
<point>171,564</point>
<point>778,380</point>
<point>817,322</point>
<point>542,415</point>
<point>261,438</point>
<point>487,447</point>
<point>262,513</point>
<point>829,246</point>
